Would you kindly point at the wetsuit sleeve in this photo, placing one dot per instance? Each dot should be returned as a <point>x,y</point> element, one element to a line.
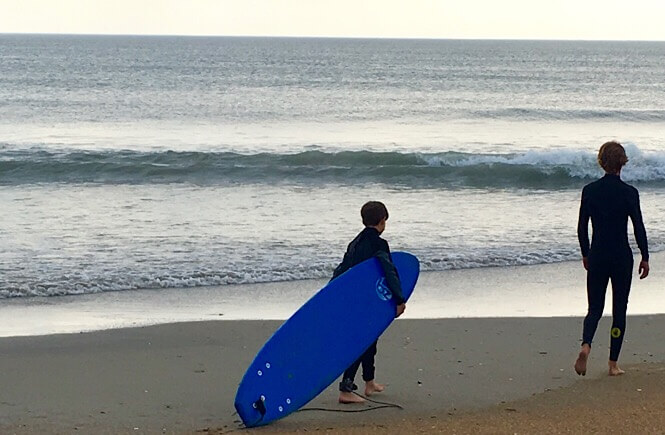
<point>343,267</point>
<point>392,278</point>
<point>583,225</point>
<point>638,227</point>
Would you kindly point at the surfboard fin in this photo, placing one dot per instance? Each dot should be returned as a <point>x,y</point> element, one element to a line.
<point>260,406</point>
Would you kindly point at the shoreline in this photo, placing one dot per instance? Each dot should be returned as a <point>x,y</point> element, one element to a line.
<point>543,290</point>
<point>181,377</point>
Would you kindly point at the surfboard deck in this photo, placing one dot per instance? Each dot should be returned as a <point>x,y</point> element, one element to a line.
<point>321,340</point>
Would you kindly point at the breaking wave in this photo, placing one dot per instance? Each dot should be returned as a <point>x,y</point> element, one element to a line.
<point>533,169</point>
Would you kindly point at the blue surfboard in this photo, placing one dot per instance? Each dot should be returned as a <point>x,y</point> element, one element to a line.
<point>325,336</point>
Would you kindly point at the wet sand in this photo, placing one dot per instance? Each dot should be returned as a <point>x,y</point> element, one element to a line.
<point>501,375</point>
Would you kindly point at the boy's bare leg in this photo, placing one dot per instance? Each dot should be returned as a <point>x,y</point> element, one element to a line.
<point>614,369</point>
<point>372,387</point>
<point>345,397</point>
<point>580,364</point>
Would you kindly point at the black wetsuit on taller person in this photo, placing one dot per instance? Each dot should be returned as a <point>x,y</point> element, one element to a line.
<point>366,245</point>
<point>609,202</point>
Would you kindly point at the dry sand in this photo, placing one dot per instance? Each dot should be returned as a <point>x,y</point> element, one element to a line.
<point>500,375</point>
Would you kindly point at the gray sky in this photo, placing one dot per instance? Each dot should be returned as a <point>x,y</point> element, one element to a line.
<point>521,19</point>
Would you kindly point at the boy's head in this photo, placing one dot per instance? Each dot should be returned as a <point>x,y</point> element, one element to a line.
<point>374,214</point>
<point>612,157</point>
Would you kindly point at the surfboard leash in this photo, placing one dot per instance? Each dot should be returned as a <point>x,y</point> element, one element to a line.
<point>388,404</point>
<point>261,408</point>
<point>373,408</point>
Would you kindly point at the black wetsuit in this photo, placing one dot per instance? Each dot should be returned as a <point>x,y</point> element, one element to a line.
<point>609,202</point>
<point>366,245</point>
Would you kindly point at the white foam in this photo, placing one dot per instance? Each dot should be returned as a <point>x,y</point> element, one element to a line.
<point>642,166</point>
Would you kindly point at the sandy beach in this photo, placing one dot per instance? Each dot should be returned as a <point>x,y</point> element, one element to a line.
<point>171,195</point>
<point>449,375</point>
<point>507,373</point>
<point>475,373</point>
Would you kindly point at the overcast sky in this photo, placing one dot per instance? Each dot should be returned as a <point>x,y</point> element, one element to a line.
<point>521,19</point>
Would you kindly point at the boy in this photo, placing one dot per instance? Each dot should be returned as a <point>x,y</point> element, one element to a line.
<point>366,245</point>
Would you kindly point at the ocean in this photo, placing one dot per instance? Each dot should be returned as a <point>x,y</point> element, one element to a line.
<point>138,162</point>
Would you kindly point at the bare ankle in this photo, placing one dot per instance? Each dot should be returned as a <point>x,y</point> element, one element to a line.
<point>372,387</point>
<point>614,369</point>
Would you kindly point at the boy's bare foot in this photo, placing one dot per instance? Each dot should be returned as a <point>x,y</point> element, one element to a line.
<point>345,397</point>
<point>580,364</point>
<point>614,369</point>
<point>372,387</point>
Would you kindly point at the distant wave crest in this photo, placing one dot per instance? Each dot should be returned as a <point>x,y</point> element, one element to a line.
<point>542,114</point>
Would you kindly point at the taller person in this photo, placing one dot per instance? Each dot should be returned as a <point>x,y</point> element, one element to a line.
<point>608,202</point>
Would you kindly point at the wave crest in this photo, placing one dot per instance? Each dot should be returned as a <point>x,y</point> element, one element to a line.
<point>532,169</point>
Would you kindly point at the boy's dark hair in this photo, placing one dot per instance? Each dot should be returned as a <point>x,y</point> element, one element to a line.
<point>372,213</point>
<point>612,157</point>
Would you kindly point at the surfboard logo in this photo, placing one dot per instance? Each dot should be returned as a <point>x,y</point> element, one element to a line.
<point>382,290</point>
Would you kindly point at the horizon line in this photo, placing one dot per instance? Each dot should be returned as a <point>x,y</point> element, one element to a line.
<point>423,38</point>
